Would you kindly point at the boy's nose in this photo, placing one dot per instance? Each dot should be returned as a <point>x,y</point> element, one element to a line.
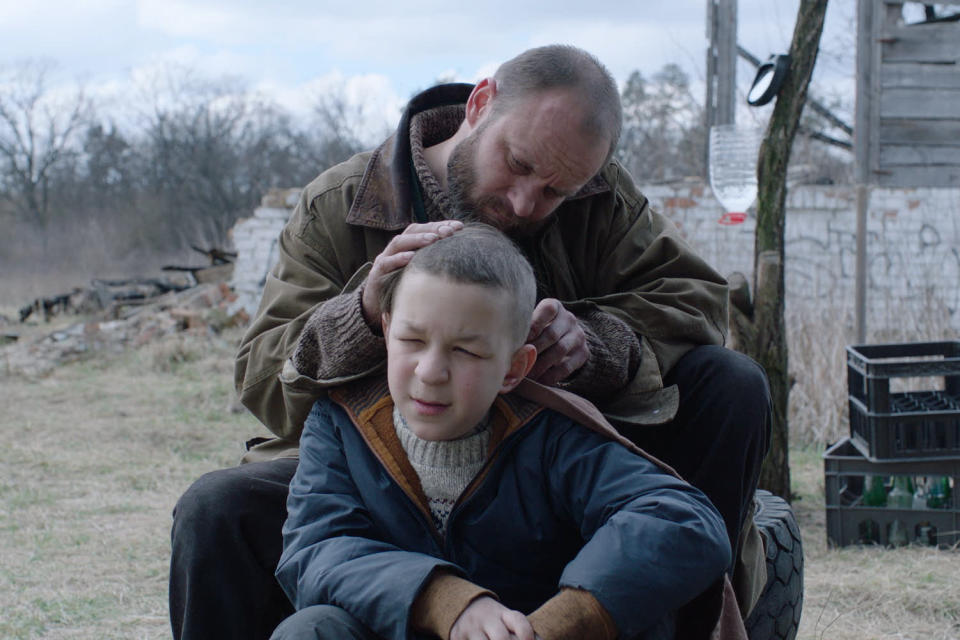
<point>432,369</point>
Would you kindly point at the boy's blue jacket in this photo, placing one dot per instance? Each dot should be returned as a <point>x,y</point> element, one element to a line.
<point>557,504</point>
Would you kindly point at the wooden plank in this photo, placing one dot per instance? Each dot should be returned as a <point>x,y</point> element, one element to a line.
<point>905,131</point>
<point>918,177</point>
<point>936,43</point>
<point>916,75</point>
<point>920,103</point>
<point>918,155</point>
<point>864,124</point>
<point>878,17</point>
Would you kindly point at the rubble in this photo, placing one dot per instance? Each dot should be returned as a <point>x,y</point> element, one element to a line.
<point>115,296</point>
<point>199,309</point>
<point>132,312</point>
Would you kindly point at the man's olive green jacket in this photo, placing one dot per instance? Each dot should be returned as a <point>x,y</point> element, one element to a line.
<point>603,249</point>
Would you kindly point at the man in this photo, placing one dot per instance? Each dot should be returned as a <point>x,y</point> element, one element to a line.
<point>637,330</point>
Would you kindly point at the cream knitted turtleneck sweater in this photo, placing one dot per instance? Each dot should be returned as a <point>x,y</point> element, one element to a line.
<point>445,467</point>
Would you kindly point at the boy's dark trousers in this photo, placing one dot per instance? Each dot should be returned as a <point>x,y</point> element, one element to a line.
<point>226,538</point>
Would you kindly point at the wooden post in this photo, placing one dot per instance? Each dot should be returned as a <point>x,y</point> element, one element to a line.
<point>860,291</point>
<point>726,62</point>
<point>862,149</point>
<point>721,66</point>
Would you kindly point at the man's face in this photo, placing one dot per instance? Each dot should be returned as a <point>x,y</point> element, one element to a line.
<point>518,165</point>
<point>449,350</point>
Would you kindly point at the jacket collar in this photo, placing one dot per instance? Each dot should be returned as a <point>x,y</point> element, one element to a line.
<point>370,407</point>
<point>384,198</point>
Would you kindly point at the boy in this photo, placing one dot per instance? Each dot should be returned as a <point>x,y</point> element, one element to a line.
<point>450,507</point>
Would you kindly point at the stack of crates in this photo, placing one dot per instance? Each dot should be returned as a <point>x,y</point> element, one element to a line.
<point>900,441</point>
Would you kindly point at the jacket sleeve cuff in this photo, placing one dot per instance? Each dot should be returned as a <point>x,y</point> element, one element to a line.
<point>441,602</point>
<point>573,614</point>
<point>336,341</point>
<point>614,357</point>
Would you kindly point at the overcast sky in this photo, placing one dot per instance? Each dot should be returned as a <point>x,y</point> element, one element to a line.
<point>384,51</point>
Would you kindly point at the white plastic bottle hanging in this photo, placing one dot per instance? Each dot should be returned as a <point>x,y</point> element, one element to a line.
<point>733,169</point>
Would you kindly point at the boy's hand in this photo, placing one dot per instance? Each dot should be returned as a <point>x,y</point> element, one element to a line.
<point>396,255</point>
<point>560,341</point>
<point>487,619</point>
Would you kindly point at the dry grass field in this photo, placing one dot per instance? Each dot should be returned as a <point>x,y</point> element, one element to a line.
<point>95,455</point>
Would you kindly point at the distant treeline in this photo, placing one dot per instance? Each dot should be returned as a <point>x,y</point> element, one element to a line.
<point>190,155</point>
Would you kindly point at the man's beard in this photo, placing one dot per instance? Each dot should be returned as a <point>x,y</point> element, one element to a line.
<point>491,209</point>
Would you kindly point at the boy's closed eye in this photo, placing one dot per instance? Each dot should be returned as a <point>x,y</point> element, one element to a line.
<point>470,353</point>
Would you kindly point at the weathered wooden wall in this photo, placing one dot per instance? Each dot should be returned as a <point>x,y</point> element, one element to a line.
<point>908,99</point>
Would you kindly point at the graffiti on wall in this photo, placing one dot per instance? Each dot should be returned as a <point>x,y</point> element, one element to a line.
<point>913,245</point>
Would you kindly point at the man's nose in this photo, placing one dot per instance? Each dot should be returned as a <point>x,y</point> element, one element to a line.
<point>432,368</point>
<point>523,200</point>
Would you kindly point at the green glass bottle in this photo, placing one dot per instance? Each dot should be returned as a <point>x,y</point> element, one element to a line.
<point>876,493</point>
<point>938,494</point>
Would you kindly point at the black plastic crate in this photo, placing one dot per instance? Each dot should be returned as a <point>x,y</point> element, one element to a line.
<point>847,474</point>
<point>922,424</point>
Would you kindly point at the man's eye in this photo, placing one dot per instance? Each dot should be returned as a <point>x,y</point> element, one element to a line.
<point>411,340</point>
<point>466,352</point>
<point>516,166</point>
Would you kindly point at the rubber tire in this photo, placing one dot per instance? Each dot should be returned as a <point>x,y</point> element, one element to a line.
<point>776,615</point>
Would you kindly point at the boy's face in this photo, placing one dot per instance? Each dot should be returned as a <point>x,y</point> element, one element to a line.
<point>450,351</point>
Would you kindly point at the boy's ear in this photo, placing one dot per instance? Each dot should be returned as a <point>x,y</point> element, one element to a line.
<point>385,324</point>
<point>520,364</point>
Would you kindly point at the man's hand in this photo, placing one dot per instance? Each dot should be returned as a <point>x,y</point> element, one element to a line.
<point>487,619</point>
<point>560,341</point>
<point>396,255</point>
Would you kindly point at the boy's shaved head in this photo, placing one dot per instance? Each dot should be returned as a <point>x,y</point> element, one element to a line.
<point>477,254</point>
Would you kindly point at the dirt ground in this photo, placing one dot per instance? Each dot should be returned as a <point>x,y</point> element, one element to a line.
<point>95,456</point>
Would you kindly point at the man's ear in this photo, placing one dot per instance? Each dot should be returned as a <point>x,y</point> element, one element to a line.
<point>480,100</point>
<point>520,364</point>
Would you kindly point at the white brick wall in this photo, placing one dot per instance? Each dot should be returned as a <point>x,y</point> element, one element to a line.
<point>913,245</point>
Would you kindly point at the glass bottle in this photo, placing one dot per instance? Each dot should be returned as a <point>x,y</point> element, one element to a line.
<point>938,496</point>
<point>901,495</point>
<point>897,534</point>
<point>876,493</point>
<point>921,495</point>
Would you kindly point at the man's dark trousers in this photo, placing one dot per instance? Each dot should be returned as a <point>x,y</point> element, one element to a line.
<point>226,537</point>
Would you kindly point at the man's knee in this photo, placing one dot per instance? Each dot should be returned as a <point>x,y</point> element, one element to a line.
<point>734,371</point>
<point>727,390</point>
<point>208,500</point>
<point>256,488</point>
<point>726,375</point>
<point>220,502</point>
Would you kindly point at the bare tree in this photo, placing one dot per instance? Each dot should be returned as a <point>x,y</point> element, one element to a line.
<point>757,325</point>
<point>199,133</point>
<point>341,128</point>
<point>198,153</point>
<point>38,130</point>
<point>663,131</point>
